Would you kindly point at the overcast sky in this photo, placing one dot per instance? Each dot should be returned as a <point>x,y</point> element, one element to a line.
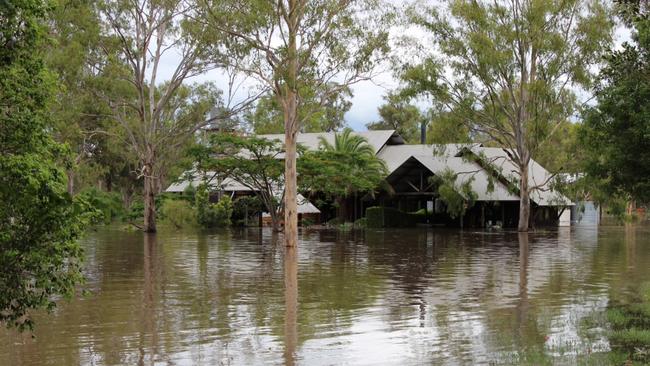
<point>368,95</point>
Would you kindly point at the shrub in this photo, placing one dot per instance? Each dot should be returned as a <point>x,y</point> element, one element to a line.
<point>210,214</point>
<point>109,204</point>
<point>361,223</point>
<point>374,217</point>
<point>246,209</point>
<point>136,211</point>
<point>178,213</point>
<point>223,211</point>
<point>335,221</point>
<point>306,222</point>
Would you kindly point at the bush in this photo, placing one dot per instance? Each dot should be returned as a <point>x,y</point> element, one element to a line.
<point>109,204</point>
<point>178,213</point>
<point>223,211</point>
<point>211,214</point>
<point>136,211</point>
<point>361,223</point>
<point>246,209</point>
<point>305,222</point>
<point>335,221</point>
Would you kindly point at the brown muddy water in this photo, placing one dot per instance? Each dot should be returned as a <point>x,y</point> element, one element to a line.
<point>390,297</point>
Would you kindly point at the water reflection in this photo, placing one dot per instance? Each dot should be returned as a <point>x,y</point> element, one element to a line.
<point>359,297</point>
<point>290,304</point>
<point>522,301</point>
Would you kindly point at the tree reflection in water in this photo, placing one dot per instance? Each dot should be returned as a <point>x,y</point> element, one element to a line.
<point>290,304</point>
<point>522,303</point>
<point>409,296</point>
<point>149,299</point>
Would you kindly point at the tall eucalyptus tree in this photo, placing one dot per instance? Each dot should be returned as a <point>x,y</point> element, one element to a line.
<point>302,51</point>
<point>510,70</point>
<point>152,48</point>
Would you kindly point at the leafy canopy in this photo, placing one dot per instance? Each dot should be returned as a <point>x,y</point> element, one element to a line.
<point>615,133</point>
<point>396,114</point>
<point>40,223</point>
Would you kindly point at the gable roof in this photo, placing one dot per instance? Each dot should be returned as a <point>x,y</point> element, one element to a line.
<point>377,139</point>
<point>390,147</point>
<point>231,185</point>
<point>439,159</point>
<point>538,177</point>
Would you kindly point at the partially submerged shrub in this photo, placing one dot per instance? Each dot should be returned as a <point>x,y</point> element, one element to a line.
<point>361,223</point>
<point>179,213</point>
<point>306,221</point>
<point>212,214</point>
<point>246,210</point>
<point>108,204</point>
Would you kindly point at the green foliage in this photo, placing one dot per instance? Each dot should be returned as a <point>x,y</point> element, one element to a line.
<point>179,213</point>
<point>251,161</point>
<point>483,71</point>
<point>109,204</point>
<point>305,222</point>
<point>457,197</point>
<point>153,118</point>
<point>212,214</point>
<point>40,223</point>
<point>246,210</point>
<point>630,322</point>
<point>615,133</point>
<point>320,113</point>
<point>317,69</point>
<point>446,127</point>
<point>136,211</point>
<point>361,223</point>
<point>509,70</point>
<point>348,165</point>
<point>396,114</point>
<point>374,217</point>
<point>337,221</point>
<point>223,211</point>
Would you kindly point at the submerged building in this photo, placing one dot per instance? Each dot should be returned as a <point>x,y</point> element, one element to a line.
<point>489,172</point>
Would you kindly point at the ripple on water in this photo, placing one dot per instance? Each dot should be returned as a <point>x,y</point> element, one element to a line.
<point>375,297</point>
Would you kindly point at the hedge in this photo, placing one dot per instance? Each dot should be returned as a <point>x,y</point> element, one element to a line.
<point>377,217</point>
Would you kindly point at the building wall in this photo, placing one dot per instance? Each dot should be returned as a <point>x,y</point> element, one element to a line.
<point>585,213</point>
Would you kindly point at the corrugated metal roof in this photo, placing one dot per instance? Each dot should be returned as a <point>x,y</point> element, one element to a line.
<point>231,185</point>
<point>376,139</point>
<point>227,184</point>
<point>539,177</point>
<point>304,206</point>
<point>439,158</point>
<point>436,158</point>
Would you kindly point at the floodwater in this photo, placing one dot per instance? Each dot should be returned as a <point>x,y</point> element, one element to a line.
<point>388,297</point>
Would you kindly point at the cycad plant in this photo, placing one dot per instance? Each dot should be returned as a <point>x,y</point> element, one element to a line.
<point>346,142</point>
<point>340,169</point>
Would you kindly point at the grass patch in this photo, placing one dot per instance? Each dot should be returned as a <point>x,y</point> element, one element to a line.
<point>630,323</point>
